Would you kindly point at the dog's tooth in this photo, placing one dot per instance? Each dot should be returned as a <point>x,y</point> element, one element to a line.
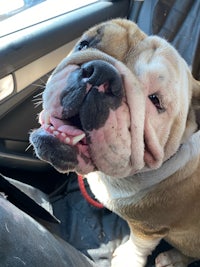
<point>63,135</point>
<point>77,138</point>
<point>67,140</point>
<point>45,126</point>
<point>46,118</point>
<point>52,128</point>
<point>55,132</point>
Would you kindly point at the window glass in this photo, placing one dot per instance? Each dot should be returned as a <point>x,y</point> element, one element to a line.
<point>18,14</point>
<point>6,86</point>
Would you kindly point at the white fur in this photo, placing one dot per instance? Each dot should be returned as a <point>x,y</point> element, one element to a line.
<point>172,258</point>
<point>134,252</point>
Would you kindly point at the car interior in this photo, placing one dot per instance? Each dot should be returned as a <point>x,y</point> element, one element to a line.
<point>28,55</point>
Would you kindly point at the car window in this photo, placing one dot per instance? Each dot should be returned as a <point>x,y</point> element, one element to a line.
<point>19,14</point>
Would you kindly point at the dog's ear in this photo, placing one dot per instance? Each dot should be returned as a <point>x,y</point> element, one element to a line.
<point>196,100</point>
<point>195,94</point>
<point>193,118</point>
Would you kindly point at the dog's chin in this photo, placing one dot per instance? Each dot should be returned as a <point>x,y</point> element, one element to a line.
<point>62,157</point>
<point>80,157</point>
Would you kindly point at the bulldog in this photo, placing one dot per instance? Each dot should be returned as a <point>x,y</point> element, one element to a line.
<point>122,110</point>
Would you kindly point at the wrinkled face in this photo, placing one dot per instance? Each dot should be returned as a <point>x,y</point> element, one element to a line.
<point>114,106</point>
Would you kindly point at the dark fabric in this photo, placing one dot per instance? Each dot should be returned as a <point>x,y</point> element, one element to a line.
<point>25,242</point>
<point>95,232</point>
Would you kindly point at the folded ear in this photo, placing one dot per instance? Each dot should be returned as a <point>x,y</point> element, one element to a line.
<point>195,94</point>
<point>196,100</point>
<point>193,118</point>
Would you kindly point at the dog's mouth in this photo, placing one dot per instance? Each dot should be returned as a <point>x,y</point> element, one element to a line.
<point>63,143</point>
<point>68,131</point>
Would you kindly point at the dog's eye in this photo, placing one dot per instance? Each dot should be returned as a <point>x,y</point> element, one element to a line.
<point>157,103</point>
<point>83,45</point>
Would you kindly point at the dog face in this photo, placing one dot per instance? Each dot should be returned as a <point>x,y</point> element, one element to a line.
<point>120,102</point>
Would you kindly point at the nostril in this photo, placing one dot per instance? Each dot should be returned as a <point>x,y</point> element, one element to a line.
<point>87,71</point>
<point>102,76</point>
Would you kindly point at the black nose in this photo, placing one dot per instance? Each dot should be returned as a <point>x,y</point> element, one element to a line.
<point>99,72</point>
<point>91,92</point>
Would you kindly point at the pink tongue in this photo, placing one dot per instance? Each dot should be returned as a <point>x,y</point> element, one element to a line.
<point>61,126</point>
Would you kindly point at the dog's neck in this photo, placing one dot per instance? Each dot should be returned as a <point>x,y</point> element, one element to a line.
<point>185,153</point>
<point>108,189</point>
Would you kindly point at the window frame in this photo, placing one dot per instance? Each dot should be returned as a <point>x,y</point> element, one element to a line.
<point>22,47</point>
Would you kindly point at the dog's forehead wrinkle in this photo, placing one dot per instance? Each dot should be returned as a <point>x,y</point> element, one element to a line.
<point>155,48</point>
<point>108,33</point>
<point>87,55</point>
<point>157,63</point>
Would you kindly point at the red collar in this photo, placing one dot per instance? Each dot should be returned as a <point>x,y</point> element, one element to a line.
<point>84,192</point>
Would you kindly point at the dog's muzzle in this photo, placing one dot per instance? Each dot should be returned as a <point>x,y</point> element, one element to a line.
<point>79,104</point>
<point>91,91</point>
